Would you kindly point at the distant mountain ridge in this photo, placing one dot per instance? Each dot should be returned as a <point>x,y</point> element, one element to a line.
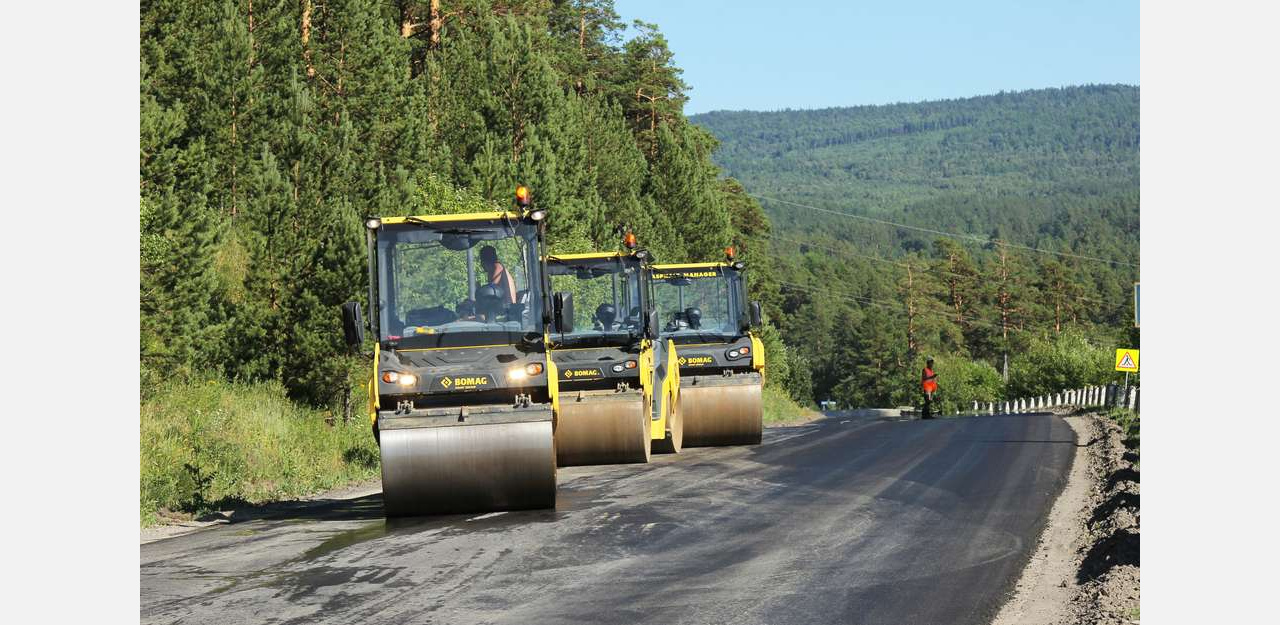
<point>1049,167</point>
<point>885,157</point>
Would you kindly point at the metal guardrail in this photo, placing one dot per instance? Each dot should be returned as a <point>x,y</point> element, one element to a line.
<point>1108,396</point>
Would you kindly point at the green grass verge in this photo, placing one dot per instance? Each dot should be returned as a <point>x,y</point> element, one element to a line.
<point>780,408</point>
<point>209,446</point>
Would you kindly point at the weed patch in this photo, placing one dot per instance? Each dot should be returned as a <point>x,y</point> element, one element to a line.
<point>780,408</point>
<point>207,446</point>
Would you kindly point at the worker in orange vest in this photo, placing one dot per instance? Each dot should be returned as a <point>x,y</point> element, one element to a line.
<point>929,383</point>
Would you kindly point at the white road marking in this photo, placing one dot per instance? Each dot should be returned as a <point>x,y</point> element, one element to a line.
<point>485,516</point>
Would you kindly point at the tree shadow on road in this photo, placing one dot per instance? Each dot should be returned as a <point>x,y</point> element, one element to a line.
<point>236,510</point>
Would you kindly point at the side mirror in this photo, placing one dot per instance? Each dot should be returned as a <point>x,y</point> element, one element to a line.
<point>353,324</point>
<point>652,325</point>
<point>562,311</point>
<point>757,317</point>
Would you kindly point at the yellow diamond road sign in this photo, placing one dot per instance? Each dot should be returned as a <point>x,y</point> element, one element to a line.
<point>1127,360</point>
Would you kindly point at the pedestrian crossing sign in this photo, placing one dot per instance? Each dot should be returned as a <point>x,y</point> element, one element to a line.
<point>1127,360</point>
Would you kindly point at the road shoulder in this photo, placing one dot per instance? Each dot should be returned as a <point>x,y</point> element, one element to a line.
<point>1085,566</point>
<point>250,513</point>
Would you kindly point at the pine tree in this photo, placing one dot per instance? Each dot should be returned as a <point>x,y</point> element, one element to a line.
<point>683,182</point>
<point>653,93</point>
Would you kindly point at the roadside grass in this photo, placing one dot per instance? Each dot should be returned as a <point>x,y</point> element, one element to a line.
<point>780,408</point>
<point>211,445</point>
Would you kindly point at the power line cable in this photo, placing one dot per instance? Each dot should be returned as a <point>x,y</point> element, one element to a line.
<point>954,235</point>
<point>974,276</point>
<point>897,306</point>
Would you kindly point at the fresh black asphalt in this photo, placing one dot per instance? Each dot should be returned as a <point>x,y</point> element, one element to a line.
<point>840,521</point>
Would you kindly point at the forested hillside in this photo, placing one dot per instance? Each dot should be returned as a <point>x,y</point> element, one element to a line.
<point>269,128</point>
<point>1038,191</point>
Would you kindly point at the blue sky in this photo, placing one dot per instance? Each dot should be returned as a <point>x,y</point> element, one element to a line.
<point>749,54</point>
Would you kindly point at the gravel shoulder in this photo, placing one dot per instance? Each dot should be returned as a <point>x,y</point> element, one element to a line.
<point>223,517</point>
<point>1086,566</point>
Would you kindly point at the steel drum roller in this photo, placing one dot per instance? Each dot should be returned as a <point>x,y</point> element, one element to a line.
<point>468,468</point>
<point>609,428</point>
<point>722,414</point>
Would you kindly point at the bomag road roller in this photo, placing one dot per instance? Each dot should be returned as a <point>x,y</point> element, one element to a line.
<point>462,393</point>
<point>618,382</point>
<point>704,311</point>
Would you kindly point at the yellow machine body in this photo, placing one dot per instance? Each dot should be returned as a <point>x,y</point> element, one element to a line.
<point>615,404</point>
<point>462,401</point>
<point>721,361</point>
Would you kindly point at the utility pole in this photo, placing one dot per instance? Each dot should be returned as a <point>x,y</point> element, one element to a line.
<point>1003,298</point>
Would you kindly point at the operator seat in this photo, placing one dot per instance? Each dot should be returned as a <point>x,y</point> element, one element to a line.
<point>488,303</point>
<point>605,315</point>
<point>694,316</point>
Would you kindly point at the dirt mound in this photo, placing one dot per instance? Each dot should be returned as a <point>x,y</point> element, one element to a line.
<point>1108,575</point>
<point>1085,569</point>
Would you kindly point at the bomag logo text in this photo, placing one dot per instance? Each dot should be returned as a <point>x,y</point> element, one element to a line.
<point>695,274</point>
<point>464,382</point>
<point>696,361</point>
<point>581,373</point>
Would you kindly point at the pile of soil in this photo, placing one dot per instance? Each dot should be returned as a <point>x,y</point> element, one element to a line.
<point>1108,574</point>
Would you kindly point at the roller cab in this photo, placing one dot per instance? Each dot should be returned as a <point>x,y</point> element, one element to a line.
<point>462,394</point>
<point>615,405</point>
<point>704,311</point>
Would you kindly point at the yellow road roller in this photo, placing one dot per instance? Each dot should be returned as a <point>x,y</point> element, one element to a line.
<point>618,382</point>
<point>461,394</point>
<point>704,310</point>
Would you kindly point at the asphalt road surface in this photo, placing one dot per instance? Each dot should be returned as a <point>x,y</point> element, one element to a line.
<point>840,521</point>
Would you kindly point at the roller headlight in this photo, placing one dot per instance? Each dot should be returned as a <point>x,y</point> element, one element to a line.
<point>403,379</point>
<point>372,223</point>
<point>618,368</point>
<point>527,371</point>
